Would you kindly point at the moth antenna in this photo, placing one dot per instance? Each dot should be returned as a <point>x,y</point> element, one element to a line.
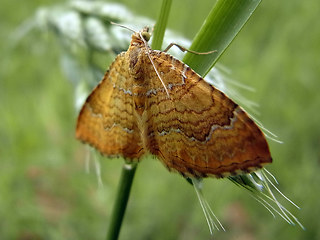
<point>125,27</point>
<point>147,47</point>
<point>165,87</point>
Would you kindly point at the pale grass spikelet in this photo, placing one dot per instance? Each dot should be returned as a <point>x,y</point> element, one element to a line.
<point>261,188</point>
<point>212,221</point>
<point>91,153</point>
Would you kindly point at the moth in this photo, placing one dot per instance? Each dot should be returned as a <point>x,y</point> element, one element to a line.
<point>149,102</point>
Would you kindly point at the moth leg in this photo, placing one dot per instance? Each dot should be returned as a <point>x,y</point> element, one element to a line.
<point>183,49</point>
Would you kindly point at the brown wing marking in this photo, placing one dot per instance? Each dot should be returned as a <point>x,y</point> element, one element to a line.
<point>199,131</point>
<point>106,120</point>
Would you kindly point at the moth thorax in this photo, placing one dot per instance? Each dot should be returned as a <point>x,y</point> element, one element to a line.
<point>136,63</point>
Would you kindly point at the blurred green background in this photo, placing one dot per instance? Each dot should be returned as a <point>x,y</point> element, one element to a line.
<point>45,190</point>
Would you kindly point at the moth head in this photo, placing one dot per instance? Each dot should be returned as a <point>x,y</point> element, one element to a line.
<point>146,34</point>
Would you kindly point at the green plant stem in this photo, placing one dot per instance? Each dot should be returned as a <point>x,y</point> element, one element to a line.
<point>128,170</point>
<point>222,25</point>
<point>160,27</point>
<point>123,193</point>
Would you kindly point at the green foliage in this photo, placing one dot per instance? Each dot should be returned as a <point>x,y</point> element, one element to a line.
<point>160,27</point>
<point>45,190</point>
<point>223,23</point>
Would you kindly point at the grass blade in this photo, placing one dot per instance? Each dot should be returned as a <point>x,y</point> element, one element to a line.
<point>222,25</point>
<point>160,27</point>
